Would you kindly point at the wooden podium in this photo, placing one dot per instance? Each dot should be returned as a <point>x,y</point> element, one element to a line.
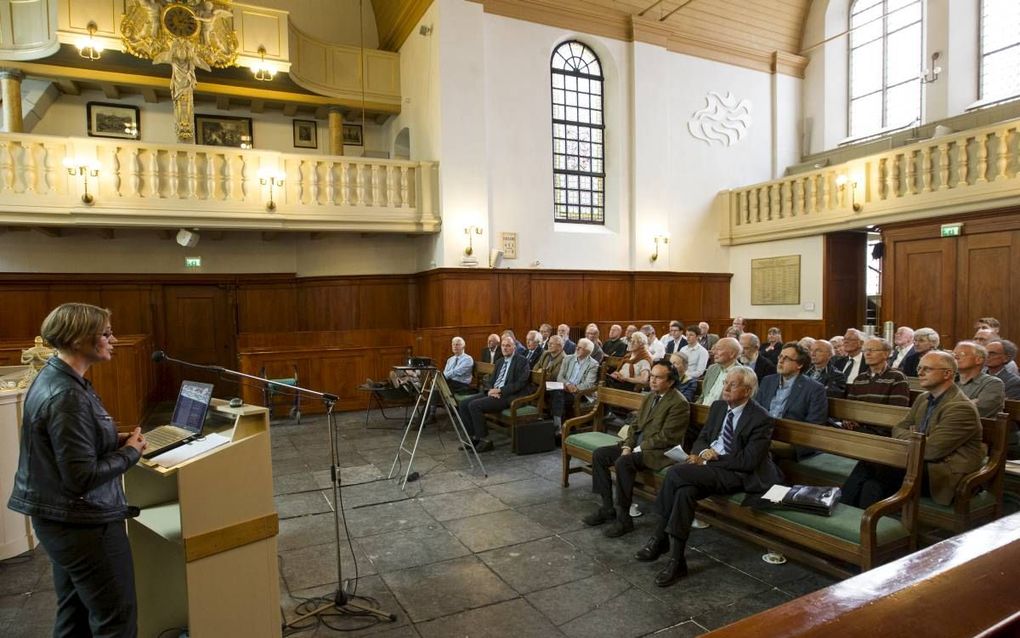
<point>16,535</point>
<point>204,544</point>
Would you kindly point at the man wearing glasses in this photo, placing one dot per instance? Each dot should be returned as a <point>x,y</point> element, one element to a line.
<point>985,390</point>
<point>952,428</point>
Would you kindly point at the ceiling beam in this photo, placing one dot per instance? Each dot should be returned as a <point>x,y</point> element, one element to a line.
<point>258,106</point>
<point>290,109</point>
<point>110,90</point>
<point>48,231</point>
<point>150,95</point>
<point>68,87</point>
<point>223,102</point>
<point>107,233</point>
<point>270,235</point>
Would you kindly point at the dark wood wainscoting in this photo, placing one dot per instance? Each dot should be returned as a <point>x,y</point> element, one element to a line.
<point>946,283</point>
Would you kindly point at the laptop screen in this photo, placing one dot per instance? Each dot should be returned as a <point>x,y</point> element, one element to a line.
<point>192,405</point>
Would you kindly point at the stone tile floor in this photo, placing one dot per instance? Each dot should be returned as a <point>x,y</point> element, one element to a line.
<point>461,554</point>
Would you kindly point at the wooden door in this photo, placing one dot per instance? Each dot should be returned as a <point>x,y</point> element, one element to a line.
<point>925,289</point>
<point>987,264</point>
<point>199,329</point>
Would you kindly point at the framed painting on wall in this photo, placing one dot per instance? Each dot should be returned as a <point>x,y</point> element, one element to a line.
<point>223,130</point>
<point>353,135</point>
<point>306,134</point>
<point>112,120</point>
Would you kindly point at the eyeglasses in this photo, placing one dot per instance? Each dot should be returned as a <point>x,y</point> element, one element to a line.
<point>926,369</point>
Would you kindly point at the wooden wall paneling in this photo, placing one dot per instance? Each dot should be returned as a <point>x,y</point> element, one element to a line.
<point>429,293</point>
<point>470,299</point>
<point>24,308</point>
<point>200,330</point>
<point>515,304</point>
<point>133,308</point>
<point>326,305</point>
<point>85,293</point>
<point>925,275</point>
<point>844,281</point>
<point>383,303</point>
<point>607,296</point>
<point>715,297</point>
<point>987,276</point>
<point>556,300</point>
<point>270,308</point>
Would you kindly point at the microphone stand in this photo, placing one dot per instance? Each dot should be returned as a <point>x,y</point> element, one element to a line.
<point>341,600</point>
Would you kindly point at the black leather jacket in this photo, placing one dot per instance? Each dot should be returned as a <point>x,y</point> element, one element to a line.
<point>70,465</point>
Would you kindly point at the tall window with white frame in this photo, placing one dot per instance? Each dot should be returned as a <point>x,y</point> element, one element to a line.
<point>1000,49</point>
<point>886,44</point>
<point>578,132</point>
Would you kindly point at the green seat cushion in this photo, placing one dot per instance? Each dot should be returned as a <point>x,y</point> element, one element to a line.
<point>526,410</point>
<point>979,501</point>
<point>592,441</point>
<point>460,396</point>
<point>822,469</point>
<point>845,522</point>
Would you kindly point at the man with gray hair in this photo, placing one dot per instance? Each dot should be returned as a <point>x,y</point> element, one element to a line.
<point>579,373</point>
<point>1002,352</point>
<point>725,353</point>
<point>616,345</point>
<point>731,454</point>
<point>533,343</point>
<point>655,347</point>
<point>459,367</point>
<point>708,339</point>
<point>563,330</point>
<point>986,391</point>
<point>925,340</point>
<point>853,341</point>
<point>823,371</point>
<point>903,345</point>
<point>750,345</point>
<point>591,333</point>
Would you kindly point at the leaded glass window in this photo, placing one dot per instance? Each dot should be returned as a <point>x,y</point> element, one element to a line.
<point>578,131</point>
<point>1000,49</point>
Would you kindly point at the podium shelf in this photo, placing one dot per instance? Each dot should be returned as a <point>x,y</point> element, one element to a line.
<point>164,520</point>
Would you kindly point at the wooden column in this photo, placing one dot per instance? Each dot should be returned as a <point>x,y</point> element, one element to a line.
<point>336,132</point>
<point>10,94</point>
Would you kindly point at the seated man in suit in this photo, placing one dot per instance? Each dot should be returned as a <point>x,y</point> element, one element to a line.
<point>552,358</point>
<point>853,361</point>
<point>615,345</point>
<point>591,333</point>
<point>661,423</point>
<point>491,351</point>
<point>824,372</point>
<point>676,338</point>
<point>953,446</point>
<point>731,454</point>
<point>750,346</point>
<point>546,331</point>
<point>563,330</point>
<point>708,339</point>
<point>903,345</point>
<point>987,391</point>
<point>579,373</point>
<point>925,340</point>
<point>725,354</point>
<point>459,367</point>
<point>533,345</point>
<point>790,394</point>
<point>508,380</point>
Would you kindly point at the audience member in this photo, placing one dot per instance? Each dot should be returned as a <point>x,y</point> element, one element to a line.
<point>731,454</point>
<point>675,339</point>
<point>631,329</point>
<point>661,424</point>
<point>903,345</point>
<point>983,336</point>
<point>772,346</point>
<point>1001,351</point>
<point>725,354</point>
<point>636,365</point>
<point>878,383</point>
<point>853,340</point>
<point>985,390</point>
<point>824,372</point>
<point>552,359</point>
<point>788,394</point>
<point>687,385</point>
<point>563,330</point>
<point>518,346</point>
<point>837,349</point>
<point>533,344</point>
<point>696,354</point>
<point>546,331</point>
<point>508,380</point>
<point>750,345</point>
<point>655,347</point>
<point>491,351</point>
<point>459,367</point>
<point>925,340</point>
<point>579,373</point>
<point>708,338</point>
<point>733,332</point>
<point>953,447</point>
<point>990,323</point>
<point>739,324</point>
<point>807,343</point>
<point>591,333</point>
<point>615,346</point>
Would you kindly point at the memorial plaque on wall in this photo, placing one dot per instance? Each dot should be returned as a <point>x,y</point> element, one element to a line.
<point>775,281</point>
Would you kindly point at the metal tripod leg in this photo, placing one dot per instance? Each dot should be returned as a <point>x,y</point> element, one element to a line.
<point>428,387</point>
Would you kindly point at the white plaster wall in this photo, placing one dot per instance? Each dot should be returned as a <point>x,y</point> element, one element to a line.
<point>811,251</point>
<point>334,21</point>
<point>354,254</point>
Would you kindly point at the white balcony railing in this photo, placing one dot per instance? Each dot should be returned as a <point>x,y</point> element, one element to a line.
<point>958,173</point>
<point>161,185</point>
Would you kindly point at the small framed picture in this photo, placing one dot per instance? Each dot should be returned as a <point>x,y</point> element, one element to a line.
<point>306,134</point>
<point>223,130</point>
<point>113,120</point>
<point>352,135</point>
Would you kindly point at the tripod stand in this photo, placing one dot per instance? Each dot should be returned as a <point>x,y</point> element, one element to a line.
<point>341,600</point>
<point>433,384</point>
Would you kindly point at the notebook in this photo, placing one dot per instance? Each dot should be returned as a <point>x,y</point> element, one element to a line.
<point>185,424</point>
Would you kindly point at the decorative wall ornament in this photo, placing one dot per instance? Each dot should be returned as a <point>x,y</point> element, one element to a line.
<point>36,357</point>
<point>184,34</point>
<point>724,120</point>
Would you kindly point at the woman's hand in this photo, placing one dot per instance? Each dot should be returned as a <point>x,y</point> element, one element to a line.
<point>134,439</point>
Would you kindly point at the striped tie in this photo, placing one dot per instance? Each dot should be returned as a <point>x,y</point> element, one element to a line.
<point>727,433</point>
<point>501,379</point>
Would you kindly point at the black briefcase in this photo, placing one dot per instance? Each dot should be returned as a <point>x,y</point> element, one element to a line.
<point>534,437</point>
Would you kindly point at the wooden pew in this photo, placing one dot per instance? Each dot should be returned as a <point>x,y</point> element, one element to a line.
<point>583,434</point>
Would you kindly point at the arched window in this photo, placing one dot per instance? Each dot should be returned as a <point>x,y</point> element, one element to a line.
<point>579,172</point>
<point>1000,49</point>
<point>886,40</point>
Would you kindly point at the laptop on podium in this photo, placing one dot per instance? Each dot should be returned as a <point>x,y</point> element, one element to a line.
<point>186,423</point>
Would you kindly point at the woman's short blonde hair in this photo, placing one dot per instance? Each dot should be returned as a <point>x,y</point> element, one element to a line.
<point>69,326</point>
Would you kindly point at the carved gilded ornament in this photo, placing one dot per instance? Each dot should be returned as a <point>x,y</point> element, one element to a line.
<point>186,34</point>
<point>36,357</point>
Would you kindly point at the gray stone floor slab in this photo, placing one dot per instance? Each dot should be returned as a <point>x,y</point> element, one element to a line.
<point>411,547</point>
<point>445,588</point>
<point>498,529</point>
<point>633,613</point>
<point>452,505</point>
<point>540,564</point>
<point>388,517</point>
<point>568,601</point>
<point>301,504</point>
<point>510,619</point>
<point>303,531</point>
<point>526,492</point>
<point>315,565</point>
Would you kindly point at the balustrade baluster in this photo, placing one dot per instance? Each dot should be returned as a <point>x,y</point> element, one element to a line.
<point>376,185</point>
<point>243,176</point>
<point>926,176</point>
<point>31,168</point>
<point>209,178</point>
<point>982,158</point>
<point>152,174</point>
<point>227,176</point>
<point>6,166</point>
<point>49,179</point>
<point>403,187</point>
<point>754,209</point>
<point>962,161</point>
<point>943,167</point>
<point>785,200</point>
<point>173,175</point>
<point>191,176</point>
<point>345,195</point>
<point>115,174</point>
<point>894,176</point>
<point>826,201</point>
<point>798,197</point>
<point>314,168</point>
<point>910,187</point>
<point>391,187</point>
<point>1002,154</point>
<point>360,189</point>
<point>136,171</point>
<point>330,169</point>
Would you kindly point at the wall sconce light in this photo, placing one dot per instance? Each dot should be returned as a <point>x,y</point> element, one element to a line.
<point>931,74</point>
<point>263,72</point>
<point>85,168</point>
<point>842,181</point>
<point>272,177</point>
<point>87,47</point>
<point>469,231</point>
<point>659,239</point>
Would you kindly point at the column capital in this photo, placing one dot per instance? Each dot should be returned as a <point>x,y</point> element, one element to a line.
<point>11,74</point>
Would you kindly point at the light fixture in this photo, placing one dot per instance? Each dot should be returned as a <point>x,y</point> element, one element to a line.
<point>272,177</point>
<point>188,238</point>
<point>659,239</point>
<point>263,72</point>
<point>931,74</point>
<point>87,47</point>
<point>469,231</point>
<point>842,181</point>
<point>85,168</point>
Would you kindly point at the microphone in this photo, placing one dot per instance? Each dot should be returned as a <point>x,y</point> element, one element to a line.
<point>159,356</point>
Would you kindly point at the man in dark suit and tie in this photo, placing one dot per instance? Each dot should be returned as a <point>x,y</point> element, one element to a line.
<point>731,454</point>
<point>508,380</point>
<point>491,351</point>
<point>823,371</point>
<point>661,424</point>
<point>790,394</point>
<point>533,343</point>
<point>750,346</point>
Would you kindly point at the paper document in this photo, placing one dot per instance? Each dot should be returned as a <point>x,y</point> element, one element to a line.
<point>553,385</point>
<point>677,454</point>
<point>776,493</point>
<point>188,451</point>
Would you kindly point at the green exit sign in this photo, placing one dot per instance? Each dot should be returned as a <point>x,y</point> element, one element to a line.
<point>192,262</point>
<point>951,230</point>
